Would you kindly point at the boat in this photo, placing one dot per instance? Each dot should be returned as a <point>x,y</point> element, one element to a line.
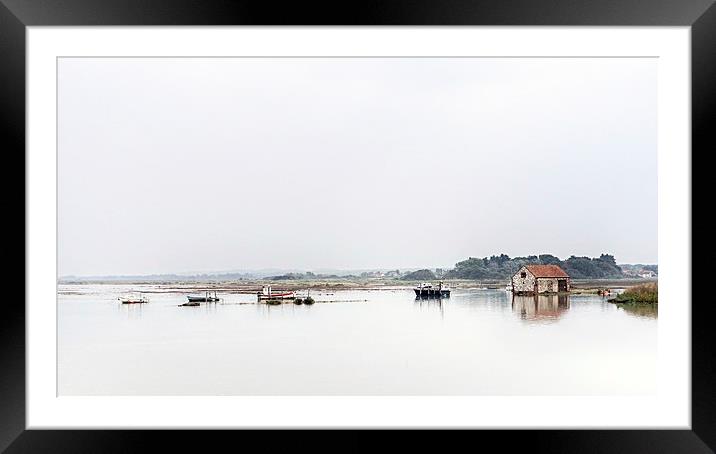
<point>190,304</point>
<point>267,294</point>
<point>427,289</point>
<point>201,299</point>
<point>134,300</point>
<point>206,298</point>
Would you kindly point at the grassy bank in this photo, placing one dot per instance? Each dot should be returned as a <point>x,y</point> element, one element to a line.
<point>639,294</point>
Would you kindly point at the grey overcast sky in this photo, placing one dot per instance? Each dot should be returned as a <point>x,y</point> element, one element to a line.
<point>174,165</point>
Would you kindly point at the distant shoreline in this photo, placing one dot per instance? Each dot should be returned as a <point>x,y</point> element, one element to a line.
<point>251,286</point>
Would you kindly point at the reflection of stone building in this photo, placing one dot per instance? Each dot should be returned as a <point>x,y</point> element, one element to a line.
<point>538,307</point>
<point>533,279</point>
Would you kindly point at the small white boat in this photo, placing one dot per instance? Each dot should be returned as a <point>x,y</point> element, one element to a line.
<point>133,299</point>
<point>267,294</point>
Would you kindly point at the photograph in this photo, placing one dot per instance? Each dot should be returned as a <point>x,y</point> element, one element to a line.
<point>357,226</point>
<point>426,216</point>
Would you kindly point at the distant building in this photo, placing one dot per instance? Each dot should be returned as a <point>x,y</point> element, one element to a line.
<point>534,279</point>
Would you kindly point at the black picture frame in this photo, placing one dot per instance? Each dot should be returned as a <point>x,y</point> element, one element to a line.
<point>16,15</point>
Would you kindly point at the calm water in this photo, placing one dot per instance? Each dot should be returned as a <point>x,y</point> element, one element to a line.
<point>478,342</point>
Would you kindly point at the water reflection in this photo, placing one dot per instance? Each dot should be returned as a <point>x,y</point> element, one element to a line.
<point>431,298</point>
<point>427,302</point>
<point>131,311</point>
<point>640,310</point>
<point>364,342</point>
<point>540,307</point>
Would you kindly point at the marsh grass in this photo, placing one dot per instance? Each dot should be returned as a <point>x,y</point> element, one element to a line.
<point>642,294</point>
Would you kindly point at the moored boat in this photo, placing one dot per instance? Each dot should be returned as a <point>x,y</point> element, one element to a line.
<point>267,294</point>
<point>134,299</point>
<point>206,298</point>
<point>427,289</point>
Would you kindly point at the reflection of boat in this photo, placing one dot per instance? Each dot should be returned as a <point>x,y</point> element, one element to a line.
<point>426,289</point>
<point>191,304</point>
<point>207,298</point>
<point>134,300</point>
<point>267,294</point>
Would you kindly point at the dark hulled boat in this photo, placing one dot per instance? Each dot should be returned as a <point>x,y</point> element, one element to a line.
<point>427,290</point>
<point>201,299</point>
<point>206,298</point>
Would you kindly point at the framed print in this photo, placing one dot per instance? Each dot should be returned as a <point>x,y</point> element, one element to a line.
<point>428,217</point>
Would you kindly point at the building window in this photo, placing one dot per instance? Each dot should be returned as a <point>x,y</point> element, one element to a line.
<point>523,275</point>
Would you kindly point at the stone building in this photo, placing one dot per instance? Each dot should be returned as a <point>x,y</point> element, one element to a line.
<point>534,279</point>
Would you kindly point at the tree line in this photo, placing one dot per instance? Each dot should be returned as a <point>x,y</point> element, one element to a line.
<point>503,267</point>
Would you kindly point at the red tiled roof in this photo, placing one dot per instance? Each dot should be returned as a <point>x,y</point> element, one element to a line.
<point>546,271</point>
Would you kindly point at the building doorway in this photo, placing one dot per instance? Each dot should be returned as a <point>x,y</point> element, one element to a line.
<point>562,285</point>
